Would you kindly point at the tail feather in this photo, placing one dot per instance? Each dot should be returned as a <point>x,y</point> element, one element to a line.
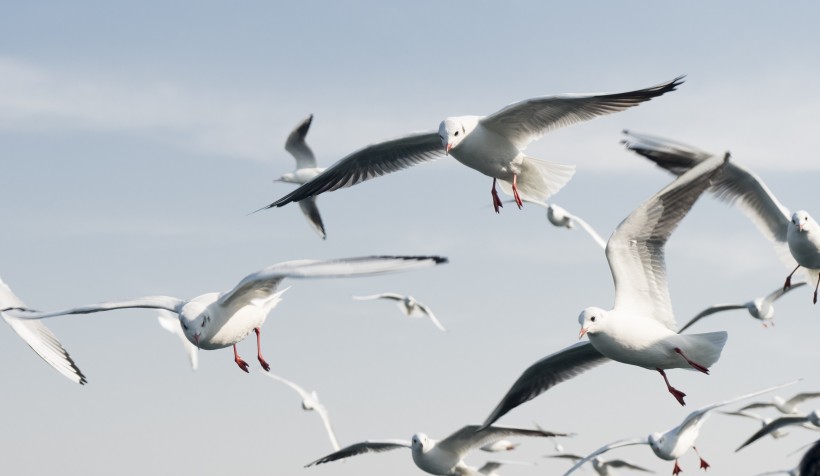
<point>705,348</point>
<point>539,179</point>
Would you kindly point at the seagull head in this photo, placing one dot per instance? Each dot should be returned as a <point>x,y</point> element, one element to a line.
<point>421,443</point>
<point>657,441</point>
<point>451,131</point>
<point>194,320</point>
<point>801,219</point>
<point>289,177</point>
<point>558,216</point>
<point>591,320</point>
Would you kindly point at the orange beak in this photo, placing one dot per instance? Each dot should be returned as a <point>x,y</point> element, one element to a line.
<point>447,149</point>
<point>581,334</point>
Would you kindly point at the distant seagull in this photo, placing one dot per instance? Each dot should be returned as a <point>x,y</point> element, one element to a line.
<point>785,406</point>
<point>171,323</point>
<point>38,336</point>
<point>601,466</point>
<point>673,443</point>
<point>812,418</point>
<point>796,235</point>
<point>763,421</point>
<point>408,306</point>
<point>640,329</point>
<point>306,170</point>
<point>761,308</point>
<point>310,401</point>
<point>217,320</point>
<point>492,144</point>
<point>490,466</point>
<point>442,458</point>
<point>500,445</point>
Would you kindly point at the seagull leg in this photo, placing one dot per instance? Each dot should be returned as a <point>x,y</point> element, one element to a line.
<point>675,393</point>
<point>515,192</point>
<point>496,200</point>
<point>789,279</point>
<point>241,363</point>
<point>259,351</point>
<point>694,365</point>
<point>676,469</point>
<point>814,301</point>
<point>703,463</point>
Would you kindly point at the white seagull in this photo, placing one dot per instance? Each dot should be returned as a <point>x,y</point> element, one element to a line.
<point>601,466</point>
<point>812,418</point>
<point>492,144</point>
<point>672,444</point>
<point>783,405</point>
<point>640,329</point>
<point>38,336</point>
<point>306,170</point>
<point>171,323</point>
<point>442,458</point>
<point>408,306</point>
<point>796,235</point>
<point>216,320</point>
<point>310,402</point>
<point>754,416</point>
<point>761,308</point>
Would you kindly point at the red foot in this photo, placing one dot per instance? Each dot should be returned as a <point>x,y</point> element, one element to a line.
<point>259,351</point>
<point>496,200</point>
<point>676,469</point>
<point>694,365</point>
<point>241,363</point>
<point>703,464</point>
<point>674,391</point>
<point>515,192</point>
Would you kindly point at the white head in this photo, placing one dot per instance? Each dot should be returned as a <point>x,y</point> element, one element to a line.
<point>421,443</point>
<point>657,442</point>
<point>451,131</point>
<point>592,320</point>
<point>801,219</point>
<point>558,216</point>
<point>194,319</point>
<point>289,177</point>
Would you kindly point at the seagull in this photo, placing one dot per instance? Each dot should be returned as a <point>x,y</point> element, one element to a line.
<point>785,406</point>
<point>796,235</point>
<point>171,323</point>
<point>500,445</point>
<point>492,145</point>
<point>601,466</point>
<point>408,305</point>
<point>38,336</point>
<point>443,458</point>
<point>761,308</point>
<point>763,421</point>
<point>812,418</point>
<point>310,401</point>
<point>306,170</point>
<point>640,329</point>
<point>216,320</point>
<point>672,444</point>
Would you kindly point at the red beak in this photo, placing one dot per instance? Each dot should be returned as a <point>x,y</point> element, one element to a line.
<point>447,149</point>
<point>581,334</point>
<point>196,340</point>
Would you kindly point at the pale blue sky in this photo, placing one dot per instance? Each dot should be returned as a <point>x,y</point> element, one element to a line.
<point>137,136</point>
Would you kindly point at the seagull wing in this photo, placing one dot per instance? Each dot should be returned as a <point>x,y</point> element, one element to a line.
<point>474,436</point>
<point>568,456</point>
<point>170,322</point>
<point>779,292</point>
<point>301,391</point>
<point>594,234</point>
<point>367,163</point>
<point>605,448</point>
<point>545,374</point>
<point>263,283</point>
<point>311,212</point>
<point>298,148</point>
<point>391,296</point>
<point>773,426</point>
<point>149,302</point>
<point>361,448</point>
<point>802,397</point>
<point>322,411</point>
<point>635,250</point>
<point>528,120</point>
<point>619,463</point>
<point>429,313</point>
<point>709,311</point>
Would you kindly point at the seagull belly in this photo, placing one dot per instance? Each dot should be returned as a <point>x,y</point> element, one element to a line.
<point>306,175</point>
<point>490,153</point>
<point>646,344</point>
<point>436,461</point>
<point>234,329</point>
<point>805,248</point>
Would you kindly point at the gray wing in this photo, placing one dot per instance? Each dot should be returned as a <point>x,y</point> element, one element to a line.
<point>619,463</point>
<point>298,148</point>
<point>802,397</point>
<point>263,283</point>
<point>605,448</point>
<point>367,163</point>
<point>591,231</point>
<point>474,436</point>
<point>361,448</point>
<point>568,456</point>
<point>311,212</point>
<point>149,302</point>
<point>635,250</point>
<point>391,296</point>
<point>779,292</point>
<point>429,313</point>
<point>545,374</point>
<point>756,405</point>
<point>710,310</point>
<point>526,121</point>
<point>772,426</point>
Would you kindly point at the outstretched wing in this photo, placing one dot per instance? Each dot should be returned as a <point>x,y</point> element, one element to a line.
<point>429,313</point>
<point>771,427</point>
<point>605,448</point>
<point>311,212</point>
<point>779,292</point>
<point>361,448</point>
<point>709,311</point>
<point>474,436</point>
<point>298,148</point>
<point>528,120</point>
<point>367,163</point>
<point>391,296</point>
<point>149,302</point>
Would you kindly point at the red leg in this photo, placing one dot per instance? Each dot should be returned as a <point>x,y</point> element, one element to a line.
<point>676,469</point>
<point>259,351</point>
<point>241,363</point>
<point>694,365</point>
<point>496,200</point>
<point>814,301</point>
<point>675,393</point>
<point>789,279</point>
<point>703,463</point>
<point>515,192</point>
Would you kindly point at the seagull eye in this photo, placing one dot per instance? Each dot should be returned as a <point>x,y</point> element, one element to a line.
<point>184,326</point>
<point>592,318</point>
<point>456,134</point>
<point>203,323</point>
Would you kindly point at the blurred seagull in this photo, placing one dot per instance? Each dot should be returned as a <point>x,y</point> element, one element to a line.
<point>601,466</point>
<point>785,406</point>
<point>500,445</point>
<point>306,170</point>
<point>812,418</point>
<point>761,308</point>
<point>763,421</point>
<point>216,320</point>
<point>443,458</point>
<point>640,329</point>
<point>492,144</point>
<point>673,443</point>
<point>408,306</point>
<point>310,401</point>
<point>796,235</point>
<point>38,336</point>
<point>490,466</point>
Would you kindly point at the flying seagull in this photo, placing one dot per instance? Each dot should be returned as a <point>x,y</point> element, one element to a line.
<point>812,418</point>
<point>787,406</point>
<point>601,466</point>
<point>494,145</point>
<point>408,306</point>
